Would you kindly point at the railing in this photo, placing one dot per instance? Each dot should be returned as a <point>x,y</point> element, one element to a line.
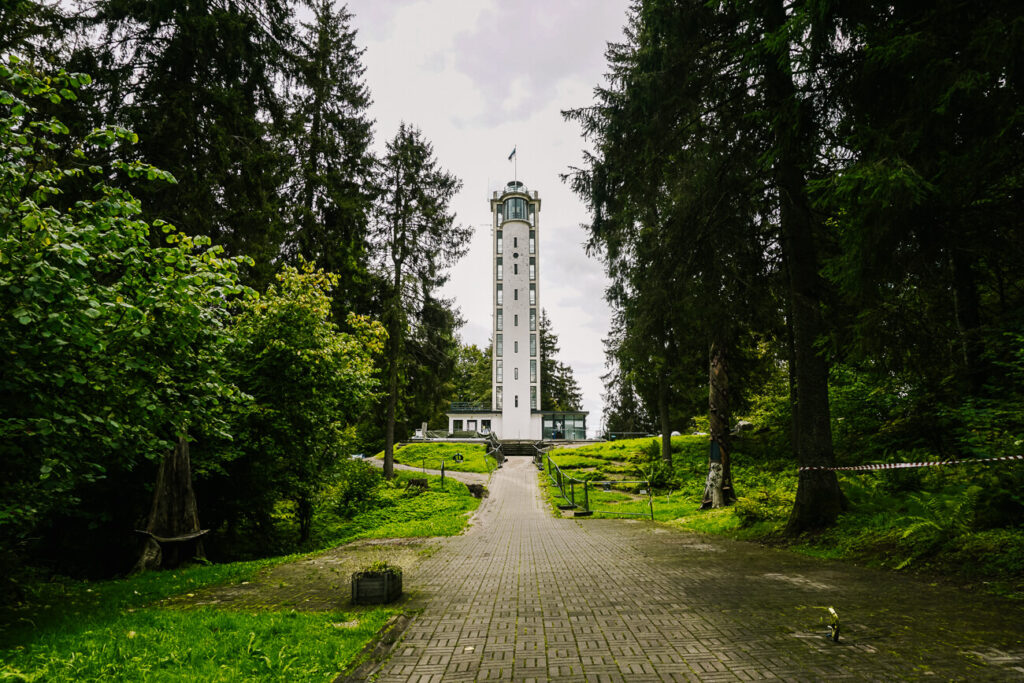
<point>494,451</point>
<point>567,486</point>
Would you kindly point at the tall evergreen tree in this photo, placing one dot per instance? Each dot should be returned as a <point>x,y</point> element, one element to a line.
<point>330,138</point>
<point>415,239</point>
<point>201,78</point>
<point>559,389</point>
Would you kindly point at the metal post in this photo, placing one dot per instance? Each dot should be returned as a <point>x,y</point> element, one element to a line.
<point>650,499</point>
<point>586,496</point>
<point>442,476</point>
<point>572,491</point>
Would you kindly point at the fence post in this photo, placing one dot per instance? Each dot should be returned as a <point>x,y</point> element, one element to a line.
<point>572,491</point>
<point>442,476</point>
<point>650,499</point>
<point>586,496</point>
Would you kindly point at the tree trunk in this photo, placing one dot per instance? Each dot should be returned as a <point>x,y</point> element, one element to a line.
<point>666,430</point>
<point>967,308</point>
<point>394,351</point>
<point>173,514</point>
<point>818,498</point>
<point>305,514</point>
<point>718,490</point>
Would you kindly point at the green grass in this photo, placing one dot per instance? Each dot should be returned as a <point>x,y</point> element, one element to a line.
<point>429,455</point>
<point>909,520</point>
<point>402,513</point>
<point>112,630</point>
<point>118,630</point>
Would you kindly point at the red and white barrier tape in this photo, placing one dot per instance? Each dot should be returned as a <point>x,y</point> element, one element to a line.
<point>901,465</point>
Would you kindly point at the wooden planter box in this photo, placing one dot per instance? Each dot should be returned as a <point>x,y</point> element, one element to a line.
<point>376,588</point>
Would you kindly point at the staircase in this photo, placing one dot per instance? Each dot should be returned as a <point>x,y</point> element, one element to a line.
<point>517,448</point>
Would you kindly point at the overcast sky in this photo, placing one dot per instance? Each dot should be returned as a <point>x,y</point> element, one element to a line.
<point>479,77</point>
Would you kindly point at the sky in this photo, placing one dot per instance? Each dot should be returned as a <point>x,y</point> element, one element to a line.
<point>479,78</point>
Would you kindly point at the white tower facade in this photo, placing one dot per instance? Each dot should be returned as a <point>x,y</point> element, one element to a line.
<point>515,376</point>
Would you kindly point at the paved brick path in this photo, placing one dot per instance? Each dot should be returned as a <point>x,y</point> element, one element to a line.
<point>524,596</point>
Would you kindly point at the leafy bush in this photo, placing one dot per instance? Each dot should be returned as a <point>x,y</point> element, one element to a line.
<point>354,488</point>
<point>763,508</point>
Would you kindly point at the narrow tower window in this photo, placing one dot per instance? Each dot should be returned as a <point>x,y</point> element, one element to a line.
<point>515,320</point>
<point>499,371</point>
<point>533,242</point>
<point>533,370</point>
<point>499,268</point>
<point>533,294</point>
<point>533,345</point>
<point>498,345</point>
<point>533,319</point>
<point>533,398</point>
<point>499,242</point>
<point>515,269</point>
<point>497,398</point>
<point>500,297</point>
<point>515,294</point>
<point>515,373</point>
<point>533,268</point>
<point>516,345</point>
<point>499,320</point>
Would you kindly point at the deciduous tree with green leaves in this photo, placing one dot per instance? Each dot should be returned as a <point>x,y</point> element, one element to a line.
<point>113,347</point>
<point>309,383</point>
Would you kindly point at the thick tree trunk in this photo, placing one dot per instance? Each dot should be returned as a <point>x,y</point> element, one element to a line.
<point>967,308</point>
<point>818,498</point>
<point>718,490</point>
<point>173,514</point>
<point>666,430</point>
<point>394,351</point>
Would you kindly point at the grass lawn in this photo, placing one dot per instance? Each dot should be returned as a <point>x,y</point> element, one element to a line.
<point>429,456</point>
<point>917,520</point>
<point>119,629</point>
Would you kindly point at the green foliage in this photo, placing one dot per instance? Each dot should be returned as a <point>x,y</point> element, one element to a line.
<point>309,383</point>
<point>398,513</point>
<point>471,381</point>
<point>112,345</point>
<point>648,464</point>
<point>558,387</point>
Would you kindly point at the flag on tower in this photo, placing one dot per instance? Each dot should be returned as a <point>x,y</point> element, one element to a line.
<point>512,154</point>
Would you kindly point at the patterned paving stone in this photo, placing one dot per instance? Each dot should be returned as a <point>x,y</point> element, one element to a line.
<point>525,596</point>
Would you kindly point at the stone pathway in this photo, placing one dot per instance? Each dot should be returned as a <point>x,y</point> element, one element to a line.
<point>525,596</point>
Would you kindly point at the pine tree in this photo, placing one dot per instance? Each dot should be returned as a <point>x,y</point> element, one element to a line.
<point>415,239</point>
<point>331,188</point>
